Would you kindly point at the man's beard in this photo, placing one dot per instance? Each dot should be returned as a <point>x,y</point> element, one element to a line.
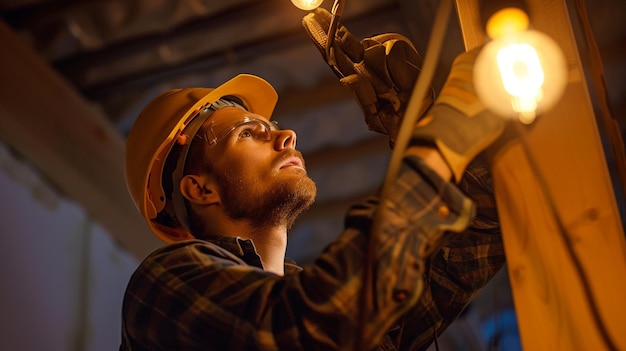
<point>280,203</point>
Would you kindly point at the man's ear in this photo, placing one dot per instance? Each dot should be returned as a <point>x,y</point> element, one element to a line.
<point>199,190</point>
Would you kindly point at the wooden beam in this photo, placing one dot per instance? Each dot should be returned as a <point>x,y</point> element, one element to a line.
<point>294,99</point>
<point>47,121</point>
<point>562,231</point>
<point>239,35</point>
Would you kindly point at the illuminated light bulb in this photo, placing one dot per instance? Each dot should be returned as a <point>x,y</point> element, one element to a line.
<point>307,4</point>
<point>520,74</point>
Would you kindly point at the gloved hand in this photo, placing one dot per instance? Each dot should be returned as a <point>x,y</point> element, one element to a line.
<point>380,71</point>
<point>458,123</point>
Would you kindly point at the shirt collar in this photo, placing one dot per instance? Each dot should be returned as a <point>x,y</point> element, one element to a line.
<point>245,249</point>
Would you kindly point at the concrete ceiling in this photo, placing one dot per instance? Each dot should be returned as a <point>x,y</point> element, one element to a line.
<point>118,54</point>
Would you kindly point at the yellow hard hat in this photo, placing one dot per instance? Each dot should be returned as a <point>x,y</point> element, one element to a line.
<point>161,124</point>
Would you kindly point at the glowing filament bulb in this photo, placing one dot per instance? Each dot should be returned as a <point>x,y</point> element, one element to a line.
<point>521,72</point>
<point>307,4</point>
<point>522,76</point>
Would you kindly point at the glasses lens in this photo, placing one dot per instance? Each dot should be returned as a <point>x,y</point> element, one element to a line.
<point>249,127</point>
<point>254,128</point>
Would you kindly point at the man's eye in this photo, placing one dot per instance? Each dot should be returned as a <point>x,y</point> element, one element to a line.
<point>255,130</point>
<point>246,133</point>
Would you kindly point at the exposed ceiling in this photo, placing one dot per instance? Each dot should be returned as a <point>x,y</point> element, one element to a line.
<point>120,53</point>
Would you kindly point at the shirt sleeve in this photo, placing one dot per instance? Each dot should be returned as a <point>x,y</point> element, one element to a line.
<point>458,270</point>
<point>194,297</point>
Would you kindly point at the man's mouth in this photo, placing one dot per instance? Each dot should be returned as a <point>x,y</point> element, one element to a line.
<point>290,158</point>
<point>291,162</point>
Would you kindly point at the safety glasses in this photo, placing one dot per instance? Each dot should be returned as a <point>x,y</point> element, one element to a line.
<point>246,128</point>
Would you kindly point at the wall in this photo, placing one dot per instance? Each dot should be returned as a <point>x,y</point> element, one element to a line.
<point>63,277</point>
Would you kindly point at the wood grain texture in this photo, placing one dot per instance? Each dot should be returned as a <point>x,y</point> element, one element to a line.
<point>563,234</point>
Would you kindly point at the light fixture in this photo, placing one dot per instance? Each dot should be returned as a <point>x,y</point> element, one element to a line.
<point>307,4</point>
<point>521,72</point>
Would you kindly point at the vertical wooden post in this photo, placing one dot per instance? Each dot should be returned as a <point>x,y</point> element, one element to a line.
<point>563,235</point>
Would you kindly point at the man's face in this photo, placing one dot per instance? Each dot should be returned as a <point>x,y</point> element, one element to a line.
<point>260,175</point>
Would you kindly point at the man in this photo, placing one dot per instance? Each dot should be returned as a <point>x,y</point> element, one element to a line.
<point>217,181</point>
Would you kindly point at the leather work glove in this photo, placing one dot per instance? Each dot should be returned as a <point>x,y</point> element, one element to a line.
<point>458,123</point>
<point>380,71</point>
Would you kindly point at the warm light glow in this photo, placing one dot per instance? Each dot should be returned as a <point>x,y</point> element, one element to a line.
<point>507,21</point>
<point>520,75</point>
<point>307,4</point>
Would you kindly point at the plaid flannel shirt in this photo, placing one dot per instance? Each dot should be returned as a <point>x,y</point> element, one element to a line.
<point>215,295</point>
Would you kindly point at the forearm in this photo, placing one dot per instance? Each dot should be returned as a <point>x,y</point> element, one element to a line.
<point>460,269</point>
<point>413,221</point>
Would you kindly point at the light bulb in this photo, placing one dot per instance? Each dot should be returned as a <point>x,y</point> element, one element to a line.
<point>520,74</point>
<point>307,4</point>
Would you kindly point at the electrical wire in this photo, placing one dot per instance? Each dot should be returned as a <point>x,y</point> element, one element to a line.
<point>336,13</point>
<point>420,90</point>
<point>569,246</point>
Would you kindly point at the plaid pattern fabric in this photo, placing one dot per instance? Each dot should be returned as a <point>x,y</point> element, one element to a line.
<point>215,295</point>
<point>457,271</point>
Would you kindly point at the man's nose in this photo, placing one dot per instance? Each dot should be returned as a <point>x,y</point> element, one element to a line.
<point>286,139</point>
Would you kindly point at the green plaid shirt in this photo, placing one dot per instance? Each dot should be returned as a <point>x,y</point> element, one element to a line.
<point>215,295</point>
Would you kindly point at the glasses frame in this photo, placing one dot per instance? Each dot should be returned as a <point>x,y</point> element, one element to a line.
<point>212,138</point>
